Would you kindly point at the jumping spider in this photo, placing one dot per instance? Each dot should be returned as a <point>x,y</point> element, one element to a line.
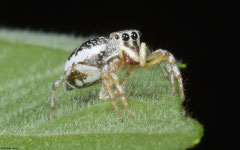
<point>102,58</point>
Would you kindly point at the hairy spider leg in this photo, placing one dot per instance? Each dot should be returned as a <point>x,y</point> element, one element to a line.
<point>108,87</point>
<point>163,71</point>
<point>109,72</point>
<point>162,55</point>
<point>126,77</point>
<point>56,85</point>
<point>103,95</point>
<point>114,66</point>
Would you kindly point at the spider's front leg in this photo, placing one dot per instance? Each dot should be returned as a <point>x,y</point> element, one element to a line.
<point>103,95</point>
<point>162,55</point>
<point>109,73</point>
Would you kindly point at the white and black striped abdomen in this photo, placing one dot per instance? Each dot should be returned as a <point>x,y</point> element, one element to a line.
<point>88,58</point>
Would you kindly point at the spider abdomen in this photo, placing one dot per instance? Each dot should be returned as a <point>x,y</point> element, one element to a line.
<point>89,57</point>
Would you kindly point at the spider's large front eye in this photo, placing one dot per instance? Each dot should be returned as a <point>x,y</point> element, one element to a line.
<point>125,37</point>
<point>134,35</point>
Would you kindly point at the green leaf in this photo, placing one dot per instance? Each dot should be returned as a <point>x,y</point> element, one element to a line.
<point>30,64</point>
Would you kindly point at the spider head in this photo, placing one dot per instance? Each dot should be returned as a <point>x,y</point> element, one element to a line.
<point>127,43</point>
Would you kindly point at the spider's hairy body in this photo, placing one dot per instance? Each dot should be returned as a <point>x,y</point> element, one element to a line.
<point>101,59</point>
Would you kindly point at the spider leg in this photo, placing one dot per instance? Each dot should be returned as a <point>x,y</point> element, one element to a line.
<point>163,70</point>
<point>114,66</point>
<point>164,56</point>
<point>108,88</point>
<point>103,94</point>
<point>55,86</point>
<point>171,75</point>
<point>126,77</point>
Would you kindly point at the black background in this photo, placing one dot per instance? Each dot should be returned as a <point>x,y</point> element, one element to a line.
<point>190,34</point>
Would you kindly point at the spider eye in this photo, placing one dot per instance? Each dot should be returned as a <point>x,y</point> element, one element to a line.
<point>125,37</point>
<point>139,33</point>
<point>134,35</point>
<point>116,37</point>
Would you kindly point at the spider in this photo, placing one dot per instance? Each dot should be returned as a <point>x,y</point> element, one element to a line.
<point>102,58</point>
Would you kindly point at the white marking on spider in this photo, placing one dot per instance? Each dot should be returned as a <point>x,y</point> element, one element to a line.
<point>85,54</point>
<point>171,58</point>
<point>160,50</point>
<point>176,71</point>
<point>78,82</point>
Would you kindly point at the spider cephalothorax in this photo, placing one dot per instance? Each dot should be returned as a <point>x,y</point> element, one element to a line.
<point>130,39</point>
<point>102,58</point>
